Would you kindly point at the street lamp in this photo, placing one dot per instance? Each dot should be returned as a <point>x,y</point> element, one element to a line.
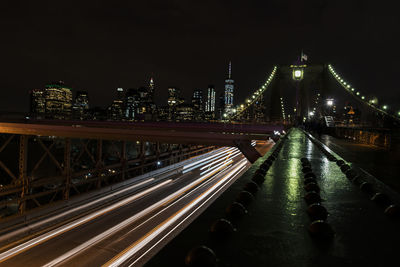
<point>329,102</point>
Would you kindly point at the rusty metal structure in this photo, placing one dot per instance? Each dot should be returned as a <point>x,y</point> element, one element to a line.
<point>39,170</point>
<point>46,161</point>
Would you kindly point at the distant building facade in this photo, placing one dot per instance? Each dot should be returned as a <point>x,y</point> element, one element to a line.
<point>52,102</point>
<point>173,101</point>
<point>210,103</point>
<point>228,96</point>
<point>132,102</point>
<point>115,111</point>
<point>197,103</point>
<point>184,112</point>
<point>38,103</point>
<point>80,109</point>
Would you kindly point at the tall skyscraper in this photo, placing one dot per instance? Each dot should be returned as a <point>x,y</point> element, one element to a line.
<point>173,96</point>
<point>173,101</point>
<point>38,103</point>
<point>197,104</point>
<point>116,109</point>
<point>132,101</point>
<point>58,100</point>
<point>120,93</point>
<point>81,106</point>
<point>229,86</point>
<point>221,106</point>
<point>151,91</point>
<point>197,99</point>
<point>210,102</point>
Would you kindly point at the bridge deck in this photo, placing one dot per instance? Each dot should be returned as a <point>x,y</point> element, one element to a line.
<point>215,135</point>
<point>275,231</point>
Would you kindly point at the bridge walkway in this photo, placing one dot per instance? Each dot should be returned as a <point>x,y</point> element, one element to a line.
<point>378,161</point>
<point>275,232</point>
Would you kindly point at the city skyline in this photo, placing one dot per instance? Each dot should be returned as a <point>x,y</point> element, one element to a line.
<point>100,46</point>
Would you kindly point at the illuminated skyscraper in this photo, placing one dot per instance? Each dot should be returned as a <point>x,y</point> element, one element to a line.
<point>229,86</point>
<point>173,101</point>
<point>38,103</point>
<point>58,100</point>
<point>210,102</point>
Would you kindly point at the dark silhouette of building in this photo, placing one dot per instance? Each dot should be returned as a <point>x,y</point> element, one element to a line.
<point>197,103</point>
<point>115,111</point>
<point>81,106</point>
<point>132,102</point>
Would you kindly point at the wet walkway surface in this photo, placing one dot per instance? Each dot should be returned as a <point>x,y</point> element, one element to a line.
<point>275,231</point>
<point>381,163</point>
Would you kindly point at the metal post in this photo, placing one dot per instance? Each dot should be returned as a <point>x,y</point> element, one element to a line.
<point>99,163</point>
<point>67,167</point>
<point>23,178</point>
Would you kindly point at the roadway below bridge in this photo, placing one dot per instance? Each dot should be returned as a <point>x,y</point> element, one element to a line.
<point>134,228</point>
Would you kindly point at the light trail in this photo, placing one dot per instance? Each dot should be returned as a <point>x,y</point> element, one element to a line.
<point>137,246</point>
<point>55,217</point>
<point>70,211</point>
<point>47,236</point>
<point>186,218</point>
<point>216,167</point>
<point>199,163</point>
<point>227,157</point>
<point>123,224</point>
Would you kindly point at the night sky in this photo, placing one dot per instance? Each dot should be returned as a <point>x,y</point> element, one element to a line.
<point>100,45</point>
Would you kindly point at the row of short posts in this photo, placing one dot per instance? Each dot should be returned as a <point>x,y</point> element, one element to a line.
<point>319,227</point>
<point>381,199</point>
<point>224,228</point>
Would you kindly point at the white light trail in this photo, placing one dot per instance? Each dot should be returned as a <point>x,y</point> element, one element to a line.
<point>199,161</point>
<point>224,158</point>
<point>207,160</point>
<point>217,166</point>
<point>45,237</point>
<point>130,220</point>
<point>55,217</point>
<point>133,249</point>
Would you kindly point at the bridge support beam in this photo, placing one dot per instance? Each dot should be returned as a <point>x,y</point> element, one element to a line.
<point>67,167</point>
<point>23,177</point>
<point>248,150</point>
